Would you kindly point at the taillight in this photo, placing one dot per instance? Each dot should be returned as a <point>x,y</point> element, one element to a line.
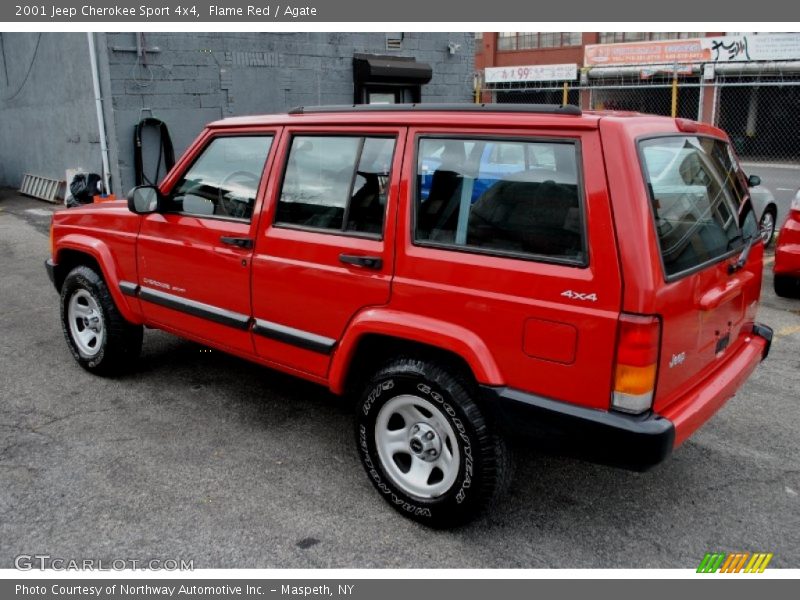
<point>638,344</point>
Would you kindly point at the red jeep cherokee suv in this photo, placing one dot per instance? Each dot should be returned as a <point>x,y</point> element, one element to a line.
<point>787,254</point>
<point>466,272</point>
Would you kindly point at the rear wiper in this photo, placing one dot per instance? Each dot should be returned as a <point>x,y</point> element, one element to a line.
<point>744,255</point>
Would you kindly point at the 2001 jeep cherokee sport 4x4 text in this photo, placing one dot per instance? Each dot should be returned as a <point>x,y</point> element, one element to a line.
<point>466,272</point>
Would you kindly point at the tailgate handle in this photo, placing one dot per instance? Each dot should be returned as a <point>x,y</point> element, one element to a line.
<point>368,262</point>
<point>716,297</point>
<point>245,243</point>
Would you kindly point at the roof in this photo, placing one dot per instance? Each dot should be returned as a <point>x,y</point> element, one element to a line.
<point>420,114</point>
<point>505,116</point>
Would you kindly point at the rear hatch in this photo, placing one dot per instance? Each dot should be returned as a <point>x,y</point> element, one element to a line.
<point>711,255</point>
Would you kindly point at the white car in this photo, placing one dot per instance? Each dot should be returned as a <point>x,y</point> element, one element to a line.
<point>765,208</point>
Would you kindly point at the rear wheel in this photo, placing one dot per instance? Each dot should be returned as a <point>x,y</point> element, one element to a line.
<point>100,339</point>
<point>426,446</point>
<point>787,287</point>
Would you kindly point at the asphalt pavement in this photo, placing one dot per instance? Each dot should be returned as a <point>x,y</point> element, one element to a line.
<point>201,456</point>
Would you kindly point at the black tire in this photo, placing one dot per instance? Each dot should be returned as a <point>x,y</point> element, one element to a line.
<point>121,341</point>
<point>484,471</point>
<point>786,287</point>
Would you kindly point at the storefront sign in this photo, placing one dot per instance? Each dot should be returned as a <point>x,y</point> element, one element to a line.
<point>567,72</point>
<point>780,46</point>
<point>734,48</point>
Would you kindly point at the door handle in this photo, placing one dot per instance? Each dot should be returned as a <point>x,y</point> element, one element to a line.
<point>245,243</point>
<point>368,262</point>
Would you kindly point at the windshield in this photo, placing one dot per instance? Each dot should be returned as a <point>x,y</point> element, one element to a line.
<point>696,191</point>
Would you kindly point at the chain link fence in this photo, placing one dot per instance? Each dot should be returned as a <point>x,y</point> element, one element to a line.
<point>760,113</point>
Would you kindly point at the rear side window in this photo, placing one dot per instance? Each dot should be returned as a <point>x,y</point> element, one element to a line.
<point>336,183</point>
<point>695,191</point>
<point>506,197</point>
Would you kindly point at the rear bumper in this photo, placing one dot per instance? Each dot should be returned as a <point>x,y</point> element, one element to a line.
<point>700,404</point>
<point>605,437</point>
<point>636,442</point>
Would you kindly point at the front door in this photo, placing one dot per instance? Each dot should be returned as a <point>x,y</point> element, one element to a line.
<point>194,256</point>
<point>325,247</point>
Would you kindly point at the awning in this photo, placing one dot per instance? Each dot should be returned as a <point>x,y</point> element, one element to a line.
<point>370,68</point>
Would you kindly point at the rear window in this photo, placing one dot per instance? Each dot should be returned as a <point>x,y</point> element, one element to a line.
<point>695,191</point>
<point>504,197</point>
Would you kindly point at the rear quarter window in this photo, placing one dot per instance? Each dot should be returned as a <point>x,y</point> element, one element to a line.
<point>506,197</point>
<point>695,192</point>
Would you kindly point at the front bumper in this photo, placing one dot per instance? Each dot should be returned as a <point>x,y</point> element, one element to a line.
<point>787,248</point>
<point>635,442</point>
<point>50,267</point>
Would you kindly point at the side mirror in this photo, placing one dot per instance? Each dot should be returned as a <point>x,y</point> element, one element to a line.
<point>144,199</point>
<point>753,180</point>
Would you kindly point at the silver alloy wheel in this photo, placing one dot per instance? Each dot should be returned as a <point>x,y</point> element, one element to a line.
<point>417,446</point>
<point>767,227</point>
<point>85,323</point>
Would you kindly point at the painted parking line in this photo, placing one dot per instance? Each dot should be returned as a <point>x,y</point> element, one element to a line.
<point>39,212</point>
<point>787,331</point>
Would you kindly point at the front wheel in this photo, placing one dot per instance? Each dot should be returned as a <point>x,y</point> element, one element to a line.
<point>426,446</point>
<point>98,336</point>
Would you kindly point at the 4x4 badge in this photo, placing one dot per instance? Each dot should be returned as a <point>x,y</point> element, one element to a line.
<point>578,296</point>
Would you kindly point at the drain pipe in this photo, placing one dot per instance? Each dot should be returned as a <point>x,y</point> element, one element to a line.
<point>101,120</point>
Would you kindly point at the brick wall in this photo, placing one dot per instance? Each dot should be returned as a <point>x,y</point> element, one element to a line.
<point>195,78</point>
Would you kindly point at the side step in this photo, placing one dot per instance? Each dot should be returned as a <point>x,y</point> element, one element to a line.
<point>42,188</point>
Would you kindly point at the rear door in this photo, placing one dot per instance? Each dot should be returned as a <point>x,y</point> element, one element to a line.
<point>703,222</point>
<point>325,248</point>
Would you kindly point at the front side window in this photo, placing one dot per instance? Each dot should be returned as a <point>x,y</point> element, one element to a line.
<point>223,181</point>
<point>336,183</point>
<point>695,191</point>
<point>501,197</point>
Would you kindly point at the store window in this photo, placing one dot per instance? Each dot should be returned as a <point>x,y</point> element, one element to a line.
<point>532,39</point>
<point>617,37</point>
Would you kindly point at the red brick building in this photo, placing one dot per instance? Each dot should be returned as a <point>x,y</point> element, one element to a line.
<point>747,83</point>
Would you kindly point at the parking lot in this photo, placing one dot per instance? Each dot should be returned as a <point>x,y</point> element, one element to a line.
<point>201,456</point>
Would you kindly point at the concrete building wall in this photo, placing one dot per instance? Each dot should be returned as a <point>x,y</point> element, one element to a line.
<point>196,78</point>
<point>47,109</point>
<point>48,124</point>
